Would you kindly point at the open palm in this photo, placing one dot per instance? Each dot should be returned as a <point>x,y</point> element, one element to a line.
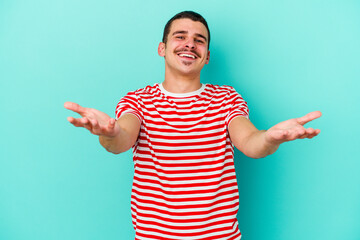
<point>97,122</point>
<point>292,129</point>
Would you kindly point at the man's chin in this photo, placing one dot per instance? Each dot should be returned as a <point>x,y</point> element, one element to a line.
<point>187,63</point>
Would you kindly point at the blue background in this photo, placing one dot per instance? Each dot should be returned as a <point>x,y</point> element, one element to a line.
<point>285,57</point>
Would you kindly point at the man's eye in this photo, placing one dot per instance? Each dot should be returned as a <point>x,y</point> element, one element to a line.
<point>180,37</point>
<point>199,41</point>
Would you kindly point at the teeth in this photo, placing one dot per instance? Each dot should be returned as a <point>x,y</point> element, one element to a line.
<point>186,55</point>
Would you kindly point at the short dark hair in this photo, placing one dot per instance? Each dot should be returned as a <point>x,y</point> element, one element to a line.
<point>185,14</point>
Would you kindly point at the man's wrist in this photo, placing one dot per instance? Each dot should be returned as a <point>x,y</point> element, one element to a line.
<point>269,144</point>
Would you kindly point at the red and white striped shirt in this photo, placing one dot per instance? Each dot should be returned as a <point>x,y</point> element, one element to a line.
<point>184,182</point>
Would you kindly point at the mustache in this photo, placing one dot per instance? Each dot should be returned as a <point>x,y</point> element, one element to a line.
<point>187,50</point>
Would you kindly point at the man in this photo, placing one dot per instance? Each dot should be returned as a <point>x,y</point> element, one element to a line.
<point>182,133</point>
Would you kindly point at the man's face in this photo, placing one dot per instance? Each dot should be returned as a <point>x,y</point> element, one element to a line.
<point>186,50</point>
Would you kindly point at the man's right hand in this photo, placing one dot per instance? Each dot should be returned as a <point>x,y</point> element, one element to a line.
<point>97,122</point>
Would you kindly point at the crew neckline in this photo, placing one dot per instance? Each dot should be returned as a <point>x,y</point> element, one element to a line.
<point>182,95</point>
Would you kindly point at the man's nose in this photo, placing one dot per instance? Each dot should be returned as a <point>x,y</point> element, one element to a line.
<point>190,44</point>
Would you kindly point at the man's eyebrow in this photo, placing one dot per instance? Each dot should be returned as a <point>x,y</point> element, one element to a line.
<point>184,32</point>
<point>201,36</point>
<point>179,32</point>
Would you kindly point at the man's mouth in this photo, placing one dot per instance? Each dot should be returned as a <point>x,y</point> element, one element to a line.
<point>187,55</point>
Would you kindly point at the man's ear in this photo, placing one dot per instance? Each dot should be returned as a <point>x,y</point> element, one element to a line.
<point>207,58</point>
<point>161,49</point>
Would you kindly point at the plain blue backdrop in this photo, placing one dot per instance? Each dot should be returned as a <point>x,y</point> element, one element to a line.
<point>285,57</point>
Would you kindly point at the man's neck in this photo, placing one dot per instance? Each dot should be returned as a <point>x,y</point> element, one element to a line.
<point>181,84</point>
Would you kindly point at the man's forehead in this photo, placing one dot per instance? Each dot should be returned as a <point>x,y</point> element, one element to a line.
<point>189,26</point>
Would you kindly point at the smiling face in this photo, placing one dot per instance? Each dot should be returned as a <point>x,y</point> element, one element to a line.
<point>186,50</point>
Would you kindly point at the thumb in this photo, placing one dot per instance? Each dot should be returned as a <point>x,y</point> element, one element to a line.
<point>74,107</point>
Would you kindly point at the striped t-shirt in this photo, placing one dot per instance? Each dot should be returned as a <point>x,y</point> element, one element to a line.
<point>184,181</point>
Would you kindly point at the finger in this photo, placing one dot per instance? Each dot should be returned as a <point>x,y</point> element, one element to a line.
<point>85,122</point>
<point>315,133</point>
<point>95,126</point>
<point>74,107</point>
<point>295,134</point>
<point>74,121</point>
<point>301,133</point>
<point>70,119</point>
<point>308,117</point>
<point>303,136</point>
<point>111,123</point>
<point>109,129</point>
<point>310,131</point>
<point>306,133</point>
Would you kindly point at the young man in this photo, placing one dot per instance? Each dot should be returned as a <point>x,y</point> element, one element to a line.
<point>182,133</point>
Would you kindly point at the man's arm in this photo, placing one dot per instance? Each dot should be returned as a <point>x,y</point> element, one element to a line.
<point>115,136</point>
<point>129,126</point>
<point>256,144</point>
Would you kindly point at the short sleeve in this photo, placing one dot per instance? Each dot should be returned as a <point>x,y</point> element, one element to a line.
<point>128,104</point>
<point>238,107</point>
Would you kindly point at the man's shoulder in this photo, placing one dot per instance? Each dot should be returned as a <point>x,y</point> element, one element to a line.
<point>146,90</point>
<point>218,89</point>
